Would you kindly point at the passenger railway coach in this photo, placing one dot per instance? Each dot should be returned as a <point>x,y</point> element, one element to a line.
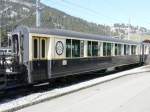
<point>53,53</point>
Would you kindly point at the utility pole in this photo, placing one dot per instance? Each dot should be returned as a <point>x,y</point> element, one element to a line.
<point>38,19</point>
<point>0,29</point>
<point>1,22</point>
<point>1,26</point>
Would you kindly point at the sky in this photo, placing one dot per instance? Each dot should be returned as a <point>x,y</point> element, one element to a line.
<point>108,12</point>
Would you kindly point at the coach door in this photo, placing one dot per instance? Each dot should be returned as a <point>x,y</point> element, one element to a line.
<point>39,65</point>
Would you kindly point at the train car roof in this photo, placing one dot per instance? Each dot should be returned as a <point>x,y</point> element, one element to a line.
<point>69,33</point>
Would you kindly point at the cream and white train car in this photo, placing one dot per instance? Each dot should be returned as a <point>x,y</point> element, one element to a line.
<point>53,53</point>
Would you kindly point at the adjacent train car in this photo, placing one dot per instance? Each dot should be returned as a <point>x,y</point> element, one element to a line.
<point>43,54</point>
<point>145,52</point>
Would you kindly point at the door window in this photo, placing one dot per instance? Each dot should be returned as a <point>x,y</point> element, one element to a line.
<point>43,48</point>
<point>35,48</point>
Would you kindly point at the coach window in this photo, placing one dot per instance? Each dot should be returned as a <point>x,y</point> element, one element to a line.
<point>133,49</point>
<point>35,48</point>
<point>94,48</point>
<point>116,49</point>
<point>119,49</point>
<point>82,48</point>
<point>75,48</point>
<point>68,48</point>
<point>104,49</point>
<point>128,49</point>
<point>89,48</point>
<point>43,48</point>
<point>125,49</point>
<point>109,49</point>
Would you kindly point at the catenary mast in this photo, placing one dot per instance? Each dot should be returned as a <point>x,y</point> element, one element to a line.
<point>38,23</point>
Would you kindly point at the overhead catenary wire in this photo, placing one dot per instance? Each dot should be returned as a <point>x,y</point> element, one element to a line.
<point>88,10</point>
<point>91,10</point>
<point>66,6</point>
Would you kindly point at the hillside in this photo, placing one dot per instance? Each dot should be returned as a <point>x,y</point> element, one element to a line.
<point>22,12</point>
